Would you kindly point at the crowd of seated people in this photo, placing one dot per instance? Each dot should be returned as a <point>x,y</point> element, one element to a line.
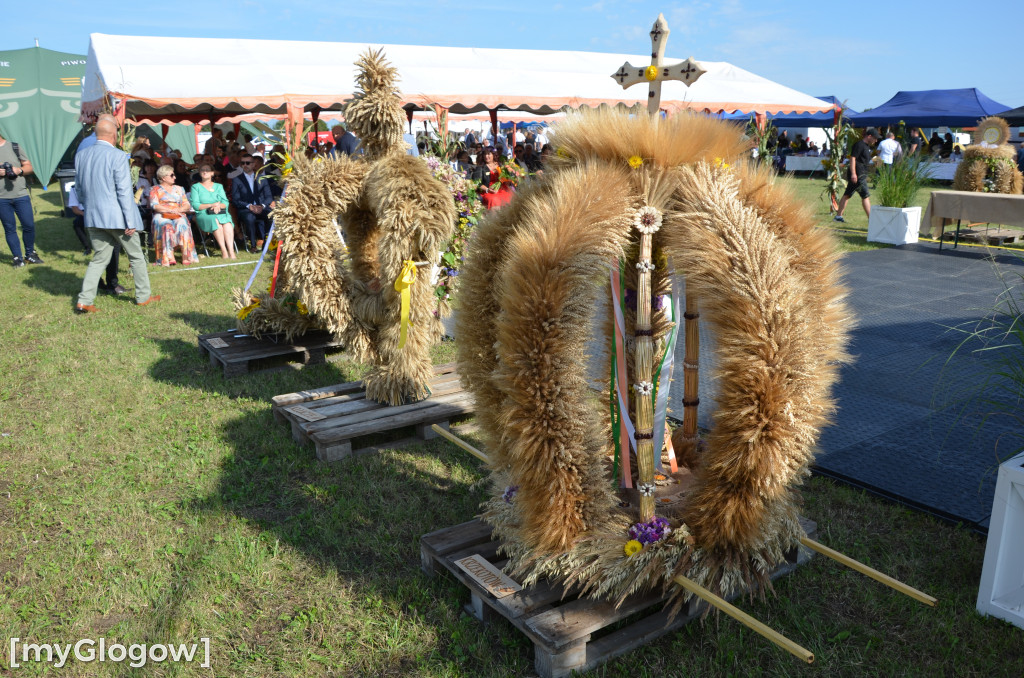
<point>224,191</point>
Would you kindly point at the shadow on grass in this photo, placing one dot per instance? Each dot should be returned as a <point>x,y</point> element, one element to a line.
<point>363,518</point>
<point>206,323</point>
<point>183,365</point>
<point>52,281</point>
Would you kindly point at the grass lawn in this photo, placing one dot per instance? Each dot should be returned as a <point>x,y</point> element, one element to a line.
<point>143,498</point>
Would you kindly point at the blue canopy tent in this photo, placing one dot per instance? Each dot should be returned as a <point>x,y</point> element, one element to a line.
<point>932,108</point>
<point>786,120</point>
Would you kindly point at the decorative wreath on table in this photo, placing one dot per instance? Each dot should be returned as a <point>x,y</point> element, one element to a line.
<point>990,164</point>
<point>395,215</point>
<point>767,280</point>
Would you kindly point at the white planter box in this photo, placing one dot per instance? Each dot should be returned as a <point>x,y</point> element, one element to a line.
<point>1001,593</point>
<point>894,225</point>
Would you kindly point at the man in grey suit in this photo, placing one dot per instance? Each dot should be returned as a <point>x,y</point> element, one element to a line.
<point>103,182</point>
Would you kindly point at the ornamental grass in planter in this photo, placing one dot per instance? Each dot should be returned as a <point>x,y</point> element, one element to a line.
<point>892,220</point>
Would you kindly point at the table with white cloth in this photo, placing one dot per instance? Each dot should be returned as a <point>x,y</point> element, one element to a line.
<point>985,208</point>
<point>942,171</point>
<point>803,163</point>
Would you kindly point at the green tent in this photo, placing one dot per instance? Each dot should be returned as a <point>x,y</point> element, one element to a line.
<point>40,94</point>
<point>180,137</point>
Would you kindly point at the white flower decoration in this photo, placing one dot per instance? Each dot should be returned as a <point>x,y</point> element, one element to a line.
<point>644,388</point>
<point>646,489</point>
<point>647,219</point>
<point>644,266</point>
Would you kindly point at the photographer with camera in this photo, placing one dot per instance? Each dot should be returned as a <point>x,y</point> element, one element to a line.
<point>15,201</point>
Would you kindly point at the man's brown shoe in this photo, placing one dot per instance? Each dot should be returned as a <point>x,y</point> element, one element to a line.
<point>147,302</point>
<point>81,308</point>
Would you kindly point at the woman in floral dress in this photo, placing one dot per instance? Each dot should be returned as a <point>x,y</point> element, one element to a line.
<point>170,220</point>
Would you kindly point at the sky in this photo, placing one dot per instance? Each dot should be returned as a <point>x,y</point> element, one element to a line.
<point>862,53</point>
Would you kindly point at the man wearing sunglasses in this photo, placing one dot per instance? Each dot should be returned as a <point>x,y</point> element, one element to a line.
<point>251,196</point>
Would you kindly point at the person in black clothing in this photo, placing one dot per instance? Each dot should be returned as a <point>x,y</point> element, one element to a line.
<point>947,145</point>
<point>857,174</point>
<point>935,143</point>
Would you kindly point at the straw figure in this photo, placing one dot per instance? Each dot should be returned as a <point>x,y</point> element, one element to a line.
<point>648,202</point>
<point>989,165</point>
<point>395,216</point>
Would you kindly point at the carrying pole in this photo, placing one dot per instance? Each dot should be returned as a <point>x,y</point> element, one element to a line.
<point>745,619</point>
<point>869,571</point>
<point>448,435</point>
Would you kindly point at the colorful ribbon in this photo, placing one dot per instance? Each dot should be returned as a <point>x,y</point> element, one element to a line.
<point>405,280</point>
<point>266,245</point>
<point>619,384</point>
<point>663,381</point>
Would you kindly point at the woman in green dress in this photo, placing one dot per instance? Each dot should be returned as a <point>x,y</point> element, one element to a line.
<point>211,205</point>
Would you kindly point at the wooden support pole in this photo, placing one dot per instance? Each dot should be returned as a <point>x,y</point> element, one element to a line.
<point>461,443</point>
<point>869,571</point>
<point>691,374</point>
<point>643,372</point>
<point>745,619</point>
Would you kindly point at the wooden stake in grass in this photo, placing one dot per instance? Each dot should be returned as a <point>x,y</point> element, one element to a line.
<point>745,619</point>
<point>869,571</point>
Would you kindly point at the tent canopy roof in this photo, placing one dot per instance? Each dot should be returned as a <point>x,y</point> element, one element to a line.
<point>786,120</point>
<point>932,108</point>
<point>1014,116</point>
<point>167,79</point>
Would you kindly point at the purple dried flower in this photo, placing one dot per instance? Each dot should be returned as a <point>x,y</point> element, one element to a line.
<point>509,494</point>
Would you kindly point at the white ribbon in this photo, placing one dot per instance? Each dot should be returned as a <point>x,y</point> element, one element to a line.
<point>620,327</point>
<point>665,378</point>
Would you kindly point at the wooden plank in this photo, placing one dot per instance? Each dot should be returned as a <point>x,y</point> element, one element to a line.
<point>338,411</point>
<point>333,400</point>
<point>581,617</point>
<point>638,634</point>
<point>316,393</point>
<point>450,539</point>
<point>409,415</point>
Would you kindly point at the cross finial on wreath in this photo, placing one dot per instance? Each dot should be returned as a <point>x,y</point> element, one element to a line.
<point>629,75</point>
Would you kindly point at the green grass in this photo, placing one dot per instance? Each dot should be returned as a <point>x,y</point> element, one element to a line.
<point>852,235</point>
<point>145,498</point>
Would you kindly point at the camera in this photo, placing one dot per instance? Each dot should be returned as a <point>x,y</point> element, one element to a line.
<point>8,169</point>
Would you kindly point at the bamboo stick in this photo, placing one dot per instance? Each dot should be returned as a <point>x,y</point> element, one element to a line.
<point>444,433</point>
<point>869,571</point>
<point>691,363</point>
<point>643,363</point>
<point>745,619</point>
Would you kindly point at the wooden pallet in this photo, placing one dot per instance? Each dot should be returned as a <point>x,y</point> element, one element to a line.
<point>568,633</point>
<point>338,419</point>
<point>242,353</point>
<point>1000,236</point>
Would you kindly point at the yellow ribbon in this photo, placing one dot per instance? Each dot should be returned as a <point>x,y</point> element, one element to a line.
<point>405,280</point>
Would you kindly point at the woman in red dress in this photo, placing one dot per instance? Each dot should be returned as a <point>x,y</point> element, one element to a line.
<point>493,191</point>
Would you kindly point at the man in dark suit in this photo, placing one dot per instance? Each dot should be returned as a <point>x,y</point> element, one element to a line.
<point>251,196</point>
<point>344,141</point>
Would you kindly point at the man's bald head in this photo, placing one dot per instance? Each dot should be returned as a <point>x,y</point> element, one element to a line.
<point>106,129</point>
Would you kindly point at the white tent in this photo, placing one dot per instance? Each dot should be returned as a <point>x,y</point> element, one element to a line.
<point>175,79</point>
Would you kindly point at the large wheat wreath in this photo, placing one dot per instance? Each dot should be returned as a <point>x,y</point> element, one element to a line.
<point>393,211</point>
<point>767,281</point>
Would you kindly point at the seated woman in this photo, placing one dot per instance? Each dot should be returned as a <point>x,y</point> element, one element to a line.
<point>211,205</point>
<point>493,192</point>
<point>170,221</point>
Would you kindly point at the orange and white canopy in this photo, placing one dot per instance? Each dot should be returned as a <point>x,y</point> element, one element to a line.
<point>175,79</point>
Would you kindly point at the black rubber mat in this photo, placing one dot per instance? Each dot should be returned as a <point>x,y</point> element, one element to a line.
<point>911,423</point>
